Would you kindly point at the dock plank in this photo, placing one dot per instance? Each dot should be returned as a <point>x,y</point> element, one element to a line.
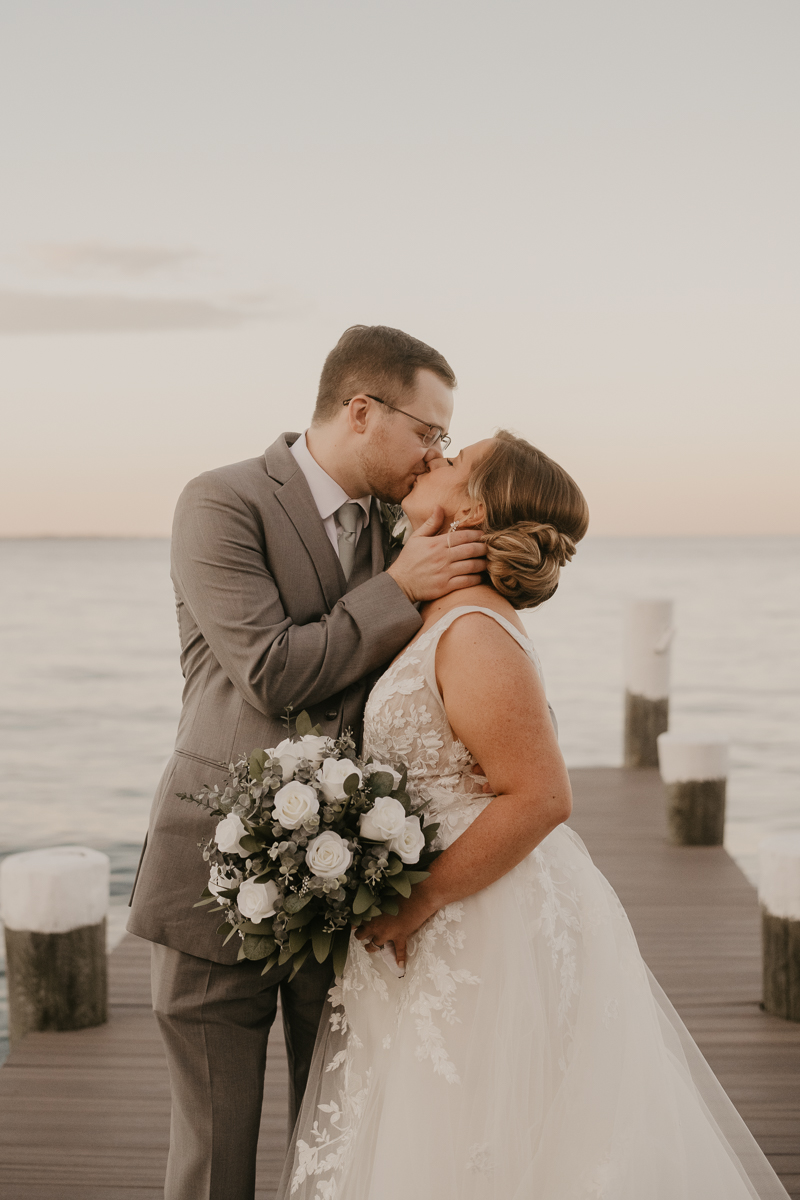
<point>85,1115</point>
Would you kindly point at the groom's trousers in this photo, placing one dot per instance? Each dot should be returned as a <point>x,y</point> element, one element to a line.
<point>215,1020</point>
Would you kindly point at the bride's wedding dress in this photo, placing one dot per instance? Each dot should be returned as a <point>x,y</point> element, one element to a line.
<point>527,1054</point>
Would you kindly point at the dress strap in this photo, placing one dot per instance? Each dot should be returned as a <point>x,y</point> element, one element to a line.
<point>446,621</point>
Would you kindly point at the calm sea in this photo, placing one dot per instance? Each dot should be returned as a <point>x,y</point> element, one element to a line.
<point>90,686</point>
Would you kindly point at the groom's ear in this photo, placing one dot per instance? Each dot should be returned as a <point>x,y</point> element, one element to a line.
<point>357,410</point>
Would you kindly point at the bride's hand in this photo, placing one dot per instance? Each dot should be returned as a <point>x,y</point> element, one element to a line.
<point>380,930</point>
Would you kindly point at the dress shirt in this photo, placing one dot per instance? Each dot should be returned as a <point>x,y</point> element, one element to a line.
<point>327,494</point>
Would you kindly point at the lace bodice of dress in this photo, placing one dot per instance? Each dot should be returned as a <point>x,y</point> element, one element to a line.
<point>405,724</point>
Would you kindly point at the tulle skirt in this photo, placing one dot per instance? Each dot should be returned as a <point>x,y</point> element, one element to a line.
<point>527,1054</point>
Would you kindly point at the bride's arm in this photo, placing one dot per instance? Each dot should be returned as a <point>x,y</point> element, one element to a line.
<point>496,705</point>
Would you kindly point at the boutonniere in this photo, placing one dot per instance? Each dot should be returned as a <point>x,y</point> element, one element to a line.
<point>395,521</point>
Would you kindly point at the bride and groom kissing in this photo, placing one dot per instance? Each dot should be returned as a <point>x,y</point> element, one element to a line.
<point>525,1013</point>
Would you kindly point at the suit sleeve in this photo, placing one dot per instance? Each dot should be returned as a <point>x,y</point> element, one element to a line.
<point>220,571</point>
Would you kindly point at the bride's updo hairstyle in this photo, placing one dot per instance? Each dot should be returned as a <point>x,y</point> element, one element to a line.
<point>535,516</point>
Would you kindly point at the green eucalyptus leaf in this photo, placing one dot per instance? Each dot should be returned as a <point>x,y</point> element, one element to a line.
<point>223,928</point>
<point>256,764</point>
<point>303,724</point>
<point>230,935</point>
<point>416,876</point>
<point>293,903</point>
<point>341,944</point>
<point>430,832</point>
<point>390,906</point>
<point>285,954</point>
<point>203,903</point>
<point>250,844</point>
<point>400,884</point>
<point>351,785</point>
<point>262,930</point>
<point>299,959</point>
<point>256,948</point>
<point>321,943</point>
<point>298,920</point>
<point>381,783</point>
<point>270,964</point>
<point>395,865</point>
<point>363,899</point>
<point>298,939</point>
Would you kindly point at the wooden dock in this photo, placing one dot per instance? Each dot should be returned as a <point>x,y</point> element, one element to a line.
<point>85,1115</point>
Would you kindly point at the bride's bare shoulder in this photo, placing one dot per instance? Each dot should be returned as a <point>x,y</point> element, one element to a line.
<point>476,642</point>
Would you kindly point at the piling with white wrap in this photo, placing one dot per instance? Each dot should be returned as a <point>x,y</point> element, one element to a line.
<point>779,895</point>
<point>648,638</point>
<point>54,903</point>
<point>695,773</point>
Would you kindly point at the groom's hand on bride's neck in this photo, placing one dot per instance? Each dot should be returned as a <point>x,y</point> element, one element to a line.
<point>433,563</point>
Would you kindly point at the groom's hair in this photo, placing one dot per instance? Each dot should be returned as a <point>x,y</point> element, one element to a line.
<point>375,359</point>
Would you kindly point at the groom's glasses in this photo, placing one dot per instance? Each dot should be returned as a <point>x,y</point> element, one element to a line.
<point>434,433</point>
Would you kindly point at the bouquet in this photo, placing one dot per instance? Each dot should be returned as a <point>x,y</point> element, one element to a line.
<point>311,840</point>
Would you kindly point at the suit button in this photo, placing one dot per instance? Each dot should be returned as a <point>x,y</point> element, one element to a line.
<point>331,716</point>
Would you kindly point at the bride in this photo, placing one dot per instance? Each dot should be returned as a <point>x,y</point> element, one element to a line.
<point>527,1053</point>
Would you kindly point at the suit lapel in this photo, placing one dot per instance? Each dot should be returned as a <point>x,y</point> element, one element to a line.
<point>295,498</point>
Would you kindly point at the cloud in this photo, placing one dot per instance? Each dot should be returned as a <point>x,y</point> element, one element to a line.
<point>37,312</point>
<point>97,258</point>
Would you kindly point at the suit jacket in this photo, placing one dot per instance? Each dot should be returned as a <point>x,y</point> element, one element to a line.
<point>266,619</point>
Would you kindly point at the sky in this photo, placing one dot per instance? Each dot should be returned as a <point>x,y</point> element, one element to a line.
<point>589,208</point>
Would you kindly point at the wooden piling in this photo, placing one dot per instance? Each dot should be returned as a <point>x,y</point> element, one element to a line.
<point>54,905</point>
<point>648,637</point>
<point>695,773</point>
<point>779,896</point>
<point>56,980</point>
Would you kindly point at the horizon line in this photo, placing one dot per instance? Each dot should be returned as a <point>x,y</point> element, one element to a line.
<point>165,537</point>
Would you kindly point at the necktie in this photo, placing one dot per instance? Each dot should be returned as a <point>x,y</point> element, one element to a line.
<point>347,516</point>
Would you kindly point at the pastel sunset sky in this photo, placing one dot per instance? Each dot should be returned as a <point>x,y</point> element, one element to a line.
<point>590,208</point>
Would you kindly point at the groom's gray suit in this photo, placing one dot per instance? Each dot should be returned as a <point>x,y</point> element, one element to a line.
<point>266,620</point>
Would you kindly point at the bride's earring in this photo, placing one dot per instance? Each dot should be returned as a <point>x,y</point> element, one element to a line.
<point>453,527</point>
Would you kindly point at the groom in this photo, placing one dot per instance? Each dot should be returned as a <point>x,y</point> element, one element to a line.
<point>284,597</point>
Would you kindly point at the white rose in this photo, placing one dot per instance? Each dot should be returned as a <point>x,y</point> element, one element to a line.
<point>289,753</point>
<point>332,775</point>
<point>410,841</point>
<point>294,803</point>
<point>328,856</point>
<point>373,767</point>
<point>315,748</point>
<point>230,831</point>
<point>257,900</point>
<point>384,821</point>
<point>223,879</point>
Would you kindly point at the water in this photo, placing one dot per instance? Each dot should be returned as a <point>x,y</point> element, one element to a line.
<point>90,685</point>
